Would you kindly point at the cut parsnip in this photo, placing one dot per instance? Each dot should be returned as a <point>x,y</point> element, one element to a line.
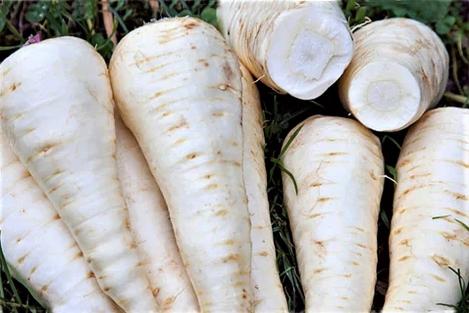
<point>150,224</point>
<point>431,206</point>
<point>57,111</point>
<point>295,47</point>
<point>267,289</point>
<point>338,167</point>
<point>178,87</point>
<point>39,248</point>
<point>398,71</point>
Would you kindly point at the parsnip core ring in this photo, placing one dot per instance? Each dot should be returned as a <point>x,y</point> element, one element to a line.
<point>386,94</point>
<point>308,51</point>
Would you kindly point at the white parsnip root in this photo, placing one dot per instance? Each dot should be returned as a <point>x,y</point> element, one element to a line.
<point>431,207</point>
<point>178,87</point>
<point>150,224</point>
<point>398,71</point>
<point>295,47</point>
<point>267,289</point>
<point>57,111</point>
<point>39,248</point>
<point>338,167</point>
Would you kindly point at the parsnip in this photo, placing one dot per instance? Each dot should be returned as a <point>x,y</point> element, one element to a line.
<point>338,167</point>
<point>150,224</point>
<point>267,289</point>
<point>295,47</point>
<point>398,71</point>
<point>430,204</point>
<point>39,248</point>
<point>178,87</point>
<point>57,111</point>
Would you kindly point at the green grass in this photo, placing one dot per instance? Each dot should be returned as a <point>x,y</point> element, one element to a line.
<point>19,20</point>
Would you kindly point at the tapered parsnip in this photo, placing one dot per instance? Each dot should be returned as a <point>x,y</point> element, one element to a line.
<point>38,246</point>
<point>338,167</point>
<point>431,204</point>
<point>150,224</point>
<point>178,87</point>
<point>398,71</point>
<point>295,47</point>
<point>57,110</point>
<point>267,289</point>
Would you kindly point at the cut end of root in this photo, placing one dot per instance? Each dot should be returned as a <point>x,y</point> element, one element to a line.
<point>308,52</point>
<point>384,96</point>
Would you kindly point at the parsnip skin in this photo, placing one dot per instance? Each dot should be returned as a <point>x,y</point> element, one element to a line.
<point>178,87</point>
<point>150,224</point>
<point>398,71</point>
<point>267,289</point>
<point>338,167</point>
<point>57,111</point>
<point>295,47</point>
<point>431,194</point>
<point>39,248</point>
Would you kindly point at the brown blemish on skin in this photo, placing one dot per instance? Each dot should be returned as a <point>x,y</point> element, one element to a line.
<point>180,124</point>
<point>191,156</point>
<point>347,275</point>
<point>212,187</point>
<point>218,114</point>
<point>190,24</point>
<point>319,270</point>
<point>314,185</point>
<point>456,211</point>
<point>336,153</point>
<point>324,199</point>
<point>44,288</point>
<point>359,229</point>
<point>221,213</point>
<point>228,242</point>
<point>397,231</point>
<point>56,217</point>
<point>405,242</point>
<point>361,246</point>
<point>227,71</point>
<point>448,236</point>
<point>234,257</point>
<point>21,259</point>
<point>168,301</point>
<point>33,270</point>
<point>355,263</point>
<point>314,215</point>
<point>14,86</point>
<point>439,278</point>
<point>106,289</point>
<point>79,255</point>
<point>90,275</point>
<point>441,261</point>
<point>457,196</point>
<point>401,259</point>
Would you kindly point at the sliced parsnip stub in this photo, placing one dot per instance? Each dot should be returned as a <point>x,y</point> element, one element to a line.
<point>178,87</point>
<point>297,47</point>
<point>431,204</point>
<point>338,167</point>
<point>267,289</point>
<point>150,224</point>
<point>398,71</point>
<point>57,110</point>
<point>39,248</point>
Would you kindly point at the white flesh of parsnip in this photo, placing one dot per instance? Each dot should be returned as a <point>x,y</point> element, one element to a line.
<point>338,167</point>
<point>178,87</point>
<point>398,71</point>
<point>57,111</point>
<point>431,204</point>
<point>295,47</point>
<point>150,224</point>
<point>39,248</point>
<point>267,289</point>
